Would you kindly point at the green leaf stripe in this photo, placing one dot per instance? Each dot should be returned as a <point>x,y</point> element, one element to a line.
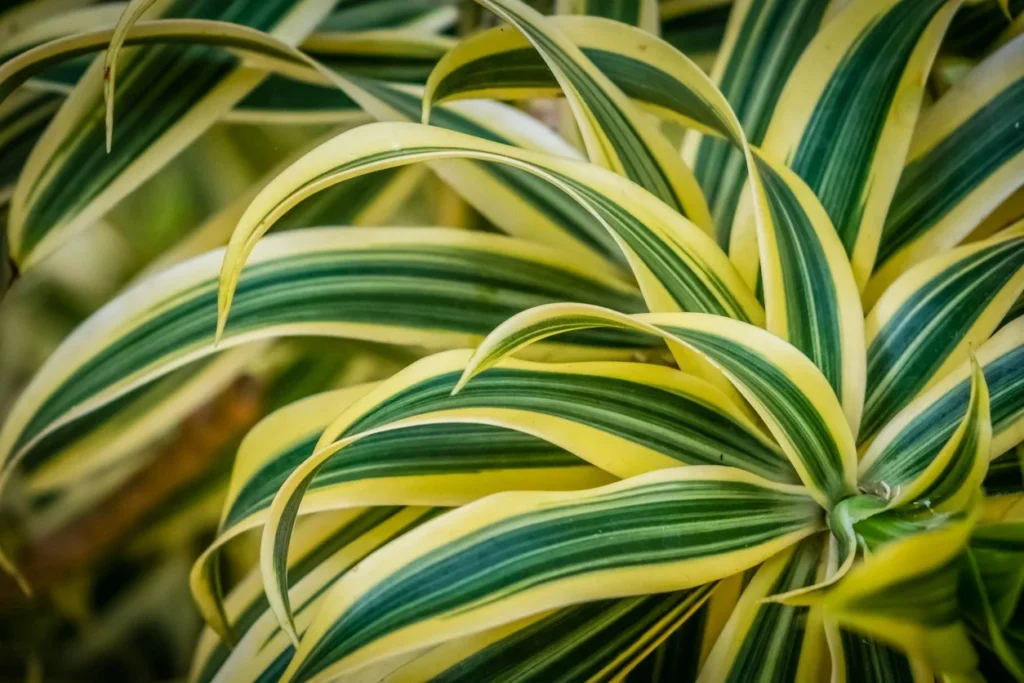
<point>676,425</point>
<point>639,165</point>
<point>525,68</point>
<point>340,204</point>
<point>155,88</point>
<point>424,286</point>
<point>298,570</point>
<point>562,209</point>
<point>770,40</point>
<point>677,659</point>
<point>366,15</point>
<point>54,442</point>
<point>577,643</point>
<point>810,291</point>
<point>907,455</point>
<point>918,338</point>
<point>626,11</point>
<point>834,155</point>
<point>936,182</point>
<point>653,523</point>
<point>22,121</point>
<point>870,661</point>
<point>771,648</point>
<point>792,408</point>
<point>959,467</point>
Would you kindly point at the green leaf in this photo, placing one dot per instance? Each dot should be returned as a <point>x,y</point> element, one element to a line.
<point>767,641</point>
<point>663,531</point>
<point>914,438</point>
<point>615,134</point>
<point>168,94</point>
<point>906,595</point>
<point>692,273</point>
<point>429,287</point>
<point>967,157</point>
<point>927,322</point>
<point>763,40</point>
<point>596,639</point>
<point>785,389</point>
<point>844,120</point>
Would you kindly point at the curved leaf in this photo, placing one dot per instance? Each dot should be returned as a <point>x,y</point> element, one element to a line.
<point>444,464</point>
<point>520,203</point>
<point>927,322</point>
<point>844,119</point>
<point>966,158</point>
<point>952,479</point>
<point>616,135</point>
<point>788,392</point>
<point>627,419</point>
<point>658,532</point>
<point>600,639</point>
<point>689,271</point>
<point>913,439</point>
<point>173,94</point>
<point>428,287</point>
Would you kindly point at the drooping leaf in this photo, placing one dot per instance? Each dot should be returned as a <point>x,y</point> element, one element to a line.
<point>785,389</point>
<point>173,95</point>
<point>517,554</point>
<point>429,287</point>
<point>689,271</point>
<point>615,134</point>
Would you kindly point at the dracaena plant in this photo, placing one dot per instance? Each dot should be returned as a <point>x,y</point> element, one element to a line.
<point>741,407</point>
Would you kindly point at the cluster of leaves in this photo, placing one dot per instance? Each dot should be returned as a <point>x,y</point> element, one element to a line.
<point>769,416</point>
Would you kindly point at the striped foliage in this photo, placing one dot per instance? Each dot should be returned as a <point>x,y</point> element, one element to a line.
<point>290,288</point>
<point>764,261</point>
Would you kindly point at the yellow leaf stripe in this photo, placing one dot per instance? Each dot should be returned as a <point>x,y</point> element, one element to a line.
<point>966,158</point>
<point>785,389</point>
<point>545,552</point>
<point>844,120</point>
